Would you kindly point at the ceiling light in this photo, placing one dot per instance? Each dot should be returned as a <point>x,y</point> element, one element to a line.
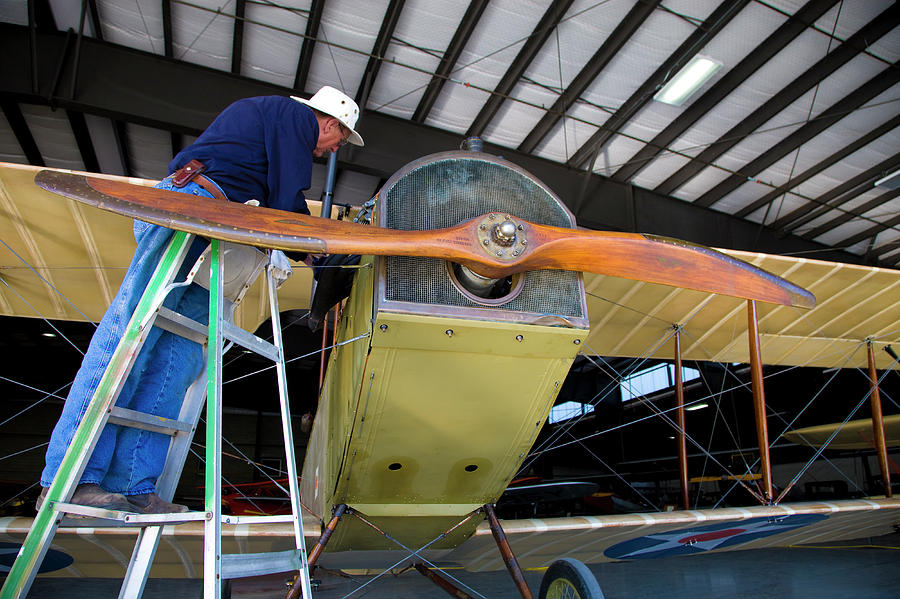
<point>696,406</point>
<point>892,181</point>
<point>48,334</point>
<point>688,80</point>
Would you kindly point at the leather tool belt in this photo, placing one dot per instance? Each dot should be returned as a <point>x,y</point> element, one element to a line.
<point>192,171</point>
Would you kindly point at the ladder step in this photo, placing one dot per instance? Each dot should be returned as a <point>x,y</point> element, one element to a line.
<point>242,565</point>
<point>191,329</point>
<point>145,421</point>
<point>131,518</point>
<point>181,325</point>
<point>248,340</point>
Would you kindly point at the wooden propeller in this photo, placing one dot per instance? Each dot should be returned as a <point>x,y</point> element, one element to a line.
<point>494,245</point>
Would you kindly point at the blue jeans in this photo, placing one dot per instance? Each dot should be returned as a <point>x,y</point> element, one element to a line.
<point>128,460</point>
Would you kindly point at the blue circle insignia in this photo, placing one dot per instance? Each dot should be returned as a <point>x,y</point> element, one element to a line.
<point>697,539</point>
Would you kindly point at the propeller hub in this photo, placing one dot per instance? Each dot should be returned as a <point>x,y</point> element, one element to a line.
<point>501,236</point>
<point>504,233</point>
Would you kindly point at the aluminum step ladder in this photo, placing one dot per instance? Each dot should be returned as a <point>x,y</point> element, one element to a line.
<point>244,266</point>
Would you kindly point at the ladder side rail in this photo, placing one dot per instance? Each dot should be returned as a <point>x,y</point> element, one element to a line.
<point>43,528</point>
<point>287,429</point>
<point>212,529</point>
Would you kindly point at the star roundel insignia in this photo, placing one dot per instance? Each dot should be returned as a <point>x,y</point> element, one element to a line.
<point>697,539</point>
<point>54,560</point>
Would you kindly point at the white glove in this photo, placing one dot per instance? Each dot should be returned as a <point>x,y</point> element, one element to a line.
<point>279,268</point>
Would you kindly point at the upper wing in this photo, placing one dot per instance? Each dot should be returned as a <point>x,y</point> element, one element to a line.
<point>854,303</point>
<point>61,259</point>
<point>57,254</point>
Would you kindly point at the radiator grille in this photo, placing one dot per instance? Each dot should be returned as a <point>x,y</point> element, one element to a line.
<point>442,190</point>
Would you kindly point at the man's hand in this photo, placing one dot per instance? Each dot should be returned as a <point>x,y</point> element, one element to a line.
<point>279,267</point>
<point>311,259</point>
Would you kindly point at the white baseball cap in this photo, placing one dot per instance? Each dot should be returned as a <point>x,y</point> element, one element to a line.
<point>336,103</point>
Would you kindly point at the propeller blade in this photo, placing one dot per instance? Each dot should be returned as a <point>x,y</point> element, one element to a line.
<point>494,245</point>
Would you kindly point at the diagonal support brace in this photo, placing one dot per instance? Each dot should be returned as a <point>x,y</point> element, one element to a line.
<point>509,558</point>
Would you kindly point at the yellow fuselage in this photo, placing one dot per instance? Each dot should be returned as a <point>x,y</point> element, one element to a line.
<point>426,418</point>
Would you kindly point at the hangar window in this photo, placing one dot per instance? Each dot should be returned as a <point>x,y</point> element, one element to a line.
<point>569,409</point>
<point>655,378</point>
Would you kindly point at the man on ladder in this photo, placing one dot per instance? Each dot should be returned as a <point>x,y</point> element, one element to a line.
<point>258,151</point>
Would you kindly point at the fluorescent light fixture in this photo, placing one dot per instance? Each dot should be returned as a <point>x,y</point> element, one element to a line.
<point>688,80</point>
<point>696,406</point>
<point>48,334</point>
<point>892,181</point>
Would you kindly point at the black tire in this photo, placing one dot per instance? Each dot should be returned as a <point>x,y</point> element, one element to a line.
<point>568,578</point>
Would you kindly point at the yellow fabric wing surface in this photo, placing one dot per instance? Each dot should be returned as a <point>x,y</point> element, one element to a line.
<point>83,252</point>
<point>63,260</point>
<point>98,552</point>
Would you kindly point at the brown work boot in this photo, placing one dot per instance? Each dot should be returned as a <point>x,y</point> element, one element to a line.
<point>151,503</point>
<point>91,495</point>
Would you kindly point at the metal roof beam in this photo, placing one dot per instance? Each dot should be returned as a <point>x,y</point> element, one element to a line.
<point>448,61</point>
<point>95,19</point>
<point>40,14</point>
<point>887,248</point>
<point>607,51</point>
<point>237,39</point>
<point>857,212</point>
<point>841,194</point>
<point>83,140</point>
<point>755,59</point>
<point>587,153</point>
<point>821,166</point>
<point>837,111</point>
<point>309,43</point>
<point>121,134</point>
<point>167,28</point>
<point>835,59</point>
<point>520,63</point>
<point>385,34</point>
<point>20,129</point>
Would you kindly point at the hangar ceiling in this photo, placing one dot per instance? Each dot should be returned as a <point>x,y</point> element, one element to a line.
<point>779,151</point>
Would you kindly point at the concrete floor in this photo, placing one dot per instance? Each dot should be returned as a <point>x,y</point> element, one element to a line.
<point>863,569</point>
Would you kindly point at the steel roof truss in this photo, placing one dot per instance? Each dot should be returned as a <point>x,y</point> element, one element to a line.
<point>449,59</point>
<point>754,60</point>
<point>607,51</point>
<point>872,88</point>
<point>858,42</point>
<point>519,65</point>
<point>711,27</point>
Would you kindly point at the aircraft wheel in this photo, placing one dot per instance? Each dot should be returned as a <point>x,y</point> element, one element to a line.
<point>569,579</point>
